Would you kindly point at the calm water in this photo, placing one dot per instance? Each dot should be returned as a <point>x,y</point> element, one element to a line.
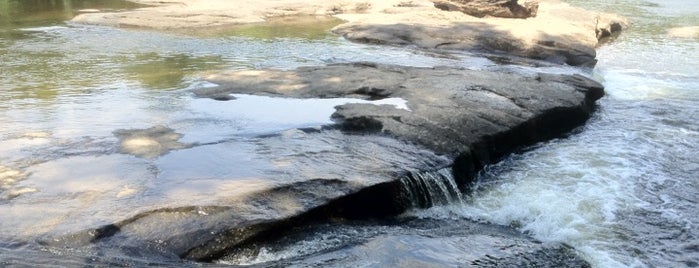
<point>622,192</point>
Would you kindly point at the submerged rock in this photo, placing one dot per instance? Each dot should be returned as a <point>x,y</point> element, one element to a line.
<point>149,143</point>
<point>408,242</point>
<point>684,32</point>
<point>9,178</point>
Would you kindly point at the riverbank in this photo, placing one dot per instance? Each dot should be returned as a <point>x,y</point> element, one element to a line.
<point>558,33</point>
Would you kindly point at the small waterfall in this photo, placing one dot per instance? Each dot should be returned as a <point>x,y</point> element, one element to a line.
<point>431,188</point>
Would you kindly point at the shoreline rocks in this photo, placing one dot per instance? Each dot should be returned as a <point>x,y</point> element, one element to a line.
<point>558,33</point>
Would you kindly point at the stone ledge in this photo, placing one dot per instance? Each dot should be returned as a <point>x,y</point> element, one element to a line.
<point>559,33</point>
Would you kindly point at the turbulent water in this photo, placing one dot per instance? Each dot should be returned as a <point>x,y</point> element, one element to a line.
<point>622,190</point>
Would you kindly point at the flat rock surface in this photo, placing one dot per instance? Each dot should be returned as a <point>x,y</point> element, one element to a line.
<point>351,169</point>
<point>448,110</point>
<point>559,33</point>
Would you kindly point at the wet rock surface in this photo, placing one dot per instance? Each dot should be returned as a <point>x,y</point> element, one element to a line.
<point>296,176</point>
<point>558,33</point>
<point>450,111</point>
<point>403,242</point>
<point>456,120</point>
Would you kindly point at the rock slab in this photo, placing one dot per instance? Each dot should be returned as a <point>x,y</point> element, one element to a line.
<point>456,119</point>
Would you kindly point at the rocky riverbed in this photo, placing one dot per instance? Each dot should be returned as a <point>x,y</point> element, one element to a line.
<point>437,128</point>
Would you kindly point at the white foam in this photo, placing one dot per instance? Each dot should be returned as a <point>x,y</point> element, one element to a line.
<point>569,192</point>
<point>44,29</point>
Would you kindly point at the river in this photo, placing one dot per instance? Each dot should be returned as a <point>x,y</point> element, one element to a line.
<point>621,191</point>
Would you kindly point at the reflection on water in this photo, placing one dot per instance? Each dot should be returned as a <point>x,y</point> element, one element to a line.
<point>309,28</point>
<point>30,13</point>
<point>169,72</point>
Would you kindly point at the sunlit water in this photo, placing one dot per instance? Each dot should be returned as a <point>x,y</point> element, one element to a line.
<point>622,191</point>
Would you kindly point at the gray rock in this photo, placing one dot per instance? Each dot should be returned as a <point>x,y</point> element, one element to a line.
<point>559,33</point>
<point>494,8</point>
<point>450,110</point>
<point>463,119</point>
<point>469,37</point>
<point>475,117</point>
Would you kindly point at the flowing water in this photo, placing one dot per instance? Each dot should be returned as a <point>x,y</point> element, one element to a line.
<point>622,191</point>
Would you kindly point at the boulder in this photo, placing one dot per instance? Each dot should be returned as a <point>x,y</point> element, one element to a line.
<point>494,8</point>
<point>559,33</point>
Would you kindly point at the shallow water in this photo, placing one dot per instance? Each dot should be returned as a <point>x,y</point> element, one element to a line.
<point>622,191</point>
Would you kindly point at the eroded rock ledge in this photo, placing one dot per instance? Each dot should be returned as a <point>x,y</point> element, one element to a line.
<point>559,33</point>
<point>456,119</point>
<point>552,31</point>
<point>473,116</point>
